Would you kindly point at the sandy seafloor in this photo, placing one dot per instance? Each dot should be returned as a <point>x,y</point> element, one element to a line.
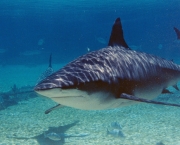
<point>25,123</point>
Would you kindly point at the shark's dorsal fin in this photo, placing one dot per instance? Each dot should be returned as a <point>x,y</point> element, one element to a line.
<point>177,32</point>
<point>50,61</point>
<point>117,38</point>
<point>134,98</point>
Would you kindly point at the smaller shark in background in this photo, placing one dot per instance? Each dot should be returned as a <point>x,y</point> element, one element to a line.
<point>111,77</point>
<point>48,71</point>
<point>177,33</point>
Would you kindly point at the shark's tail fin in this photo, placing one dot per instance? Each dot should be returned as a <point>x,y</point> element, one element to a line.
<point>177,32</point>
<point>117,38</point>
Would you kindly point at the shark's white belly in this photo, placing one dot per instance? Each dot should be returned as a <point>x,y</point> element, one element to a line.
<point>103,98</point>
<point>97,100</point>
<point>82,100</point>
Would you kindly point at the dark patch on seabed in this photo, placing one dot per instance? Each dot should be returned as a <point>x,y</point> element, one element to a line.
<point>42,140</point>
<point>16,95</point>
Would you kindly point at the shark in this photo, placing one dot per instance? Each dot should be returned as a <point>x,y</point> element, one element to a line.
<point>112,77</point>
<point>48,71</point>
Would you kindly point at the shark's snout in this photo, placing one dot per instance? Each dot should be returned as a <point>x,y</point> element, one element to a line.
<point>56,80</point>
<point>44,86</point>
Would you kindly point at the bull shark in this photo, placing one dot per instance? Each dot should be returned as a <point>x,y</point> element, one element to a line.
<point>111,77</point>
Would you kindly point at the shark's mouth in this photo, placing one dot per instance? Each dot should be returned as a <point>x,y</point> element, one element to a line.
<point>86,97</point>
<point>87,89</point>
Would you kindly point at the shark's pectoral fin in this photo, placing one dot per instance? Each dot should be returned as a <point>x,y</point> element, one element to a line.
<point>53,108</point>
<point>166,91</point>
<point>134,98</point>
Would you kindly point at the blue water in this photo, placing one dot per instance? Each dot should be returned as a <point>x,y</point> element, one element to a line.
<point>31,30</point>
<point>69,27</point>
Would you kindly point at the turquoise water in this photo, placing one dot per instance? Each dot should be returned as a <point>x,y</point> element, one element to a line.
<point>32,30</point>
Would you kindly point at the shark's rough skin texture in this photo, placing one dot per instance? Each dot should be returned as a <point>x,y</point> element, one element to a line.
<point>111,77</point>
<point>110,65</point>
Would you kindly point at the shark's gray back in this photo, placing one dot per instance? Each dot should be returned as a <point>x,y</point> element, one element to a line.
<point>109,65</point>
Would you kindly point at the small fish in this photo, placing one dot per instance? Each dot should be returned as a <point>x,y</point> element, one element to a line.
<point>40,42</point>
<point>53,136</point>
<point>88,49</point>
<point>115,125</point>
<point>101,40</point>
<point>115,132</point>
<point>115,129</point>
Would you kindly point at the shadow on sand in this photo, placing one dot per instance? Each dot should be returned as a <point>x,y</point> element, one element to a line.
<point>42,140</point>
